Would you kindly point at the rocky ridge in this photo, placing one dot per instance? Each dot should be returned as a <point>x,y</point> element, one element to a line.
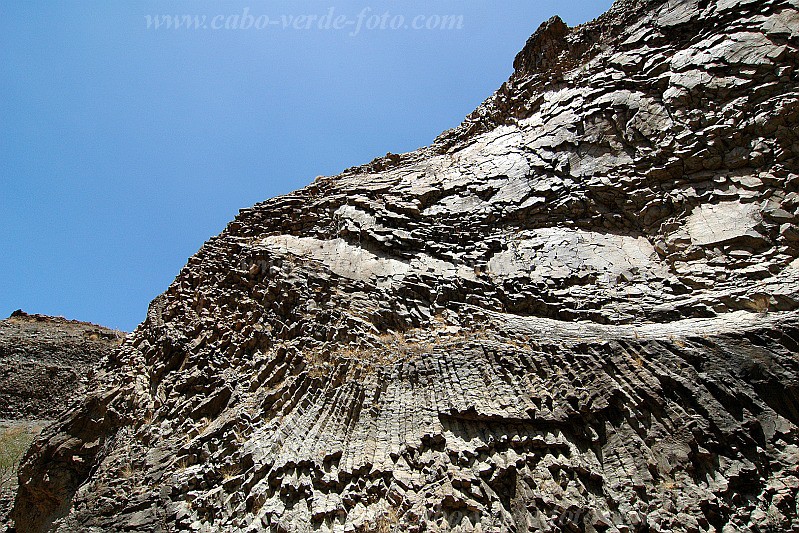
<point>47,362</point>
<point>577,311</point>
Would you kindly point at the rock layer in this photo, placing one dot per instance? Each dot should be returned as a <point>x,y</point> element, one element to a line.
<point>575,311</point>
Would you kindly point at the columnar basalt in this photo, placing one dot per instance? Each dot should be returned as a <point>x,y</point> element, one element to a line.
<point>576,311</point>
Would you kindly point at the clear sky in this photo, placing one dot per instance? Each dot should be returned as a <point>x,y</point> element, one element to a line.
<point>124,147</point>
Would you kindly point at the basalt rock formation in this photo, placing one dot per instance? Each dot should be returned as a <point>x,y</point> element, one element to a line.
<point>46,364</point>
<point>577,311</point>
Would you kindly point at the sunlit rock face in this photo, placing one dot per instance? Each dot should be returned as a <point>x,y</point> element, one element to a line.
<point>577,311</point>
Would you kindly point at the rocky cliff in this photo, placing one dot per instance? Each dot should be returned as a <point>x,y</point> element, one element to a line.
<point>577,311</point>
<point>45,365</point>
<point>47,362</point>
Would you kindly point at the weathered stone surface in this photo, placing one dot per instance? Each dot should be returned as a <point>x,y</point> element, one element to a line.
<point>577,311</point>
<point>46,364</point>
<point>723,222</point>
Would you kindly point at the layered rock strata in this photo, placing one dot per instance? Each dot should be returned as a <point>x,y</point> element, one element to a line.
<point>577,311</point>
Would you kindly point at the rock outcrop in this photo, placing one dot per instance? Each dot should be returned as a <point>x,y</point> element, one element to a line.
<point>46,364</point>
<point>577,311</point>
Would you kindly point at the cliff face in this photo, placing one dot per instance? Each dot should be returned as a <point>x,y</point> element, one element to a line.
<point>575,311</point>
<point>47,362</point>
<point>45,365</point>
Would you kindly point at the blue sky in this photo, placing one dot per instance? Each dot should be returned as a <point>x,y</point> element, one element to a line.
<point>124,148</point>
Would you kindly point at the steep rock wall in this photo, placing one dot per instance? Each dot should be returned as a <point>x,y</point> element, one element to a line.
<point>575,311</point>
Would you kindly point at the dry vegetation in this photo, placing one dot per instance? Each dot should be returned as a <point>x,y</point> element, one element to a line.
<point>390,348</point>
<point>14,441</point>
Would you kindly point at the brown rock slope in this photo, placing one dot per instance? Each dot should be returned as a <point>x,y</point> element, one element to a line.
<point>45,365</point>
<point>47,362</point>
<point>576,311</point>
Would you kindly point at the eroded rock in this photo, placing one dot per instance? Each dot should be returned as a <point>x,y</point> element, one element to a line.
<point>577,311</point>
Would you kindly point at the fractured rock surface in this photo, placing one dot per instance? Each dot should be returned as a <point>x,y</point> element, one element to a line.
<point>577,311</point>
<point>46,364</point>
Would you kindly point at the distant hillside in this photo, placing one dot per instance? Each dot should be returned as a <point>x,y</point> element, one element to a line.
<point>45,364</point>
